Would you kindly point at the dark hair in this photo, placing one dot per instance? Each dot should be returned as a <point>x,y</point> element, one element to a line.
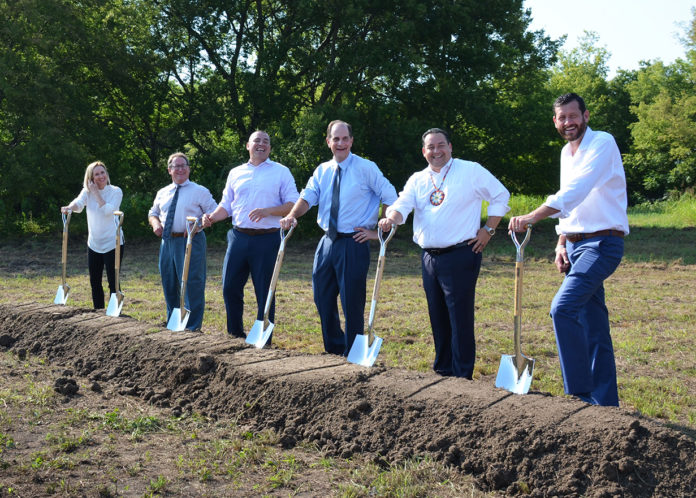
<point>433,131</point>
<point>335,122</point>
<point>567,98</point>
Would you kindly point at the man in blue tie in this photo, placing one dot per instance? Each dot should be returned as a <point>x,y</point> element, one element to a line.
<point>348,190</point>
<point>167,217</point>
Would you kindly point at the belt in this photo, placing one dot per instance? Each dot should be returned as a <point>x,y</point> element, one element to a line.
<point>343,235</point>
<point>576,237</point>
<point>173,235</point>
<point>436,251</point>
<point>256,231</point>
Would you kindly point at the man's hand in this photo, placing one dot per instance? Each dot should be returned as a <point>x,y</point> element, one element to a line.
<point>520,223</point>
<point>287,222</point>
<point>206,221</point>
<point>258,214</point>
<point>480,241</point>
<point>158,229</point>
<point>562,261</point>
<point>363,235</point>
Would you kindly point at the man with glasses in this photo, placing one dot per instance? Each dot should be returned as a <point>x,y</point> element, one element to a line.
<point>257,194</point>
<point>167,217</point>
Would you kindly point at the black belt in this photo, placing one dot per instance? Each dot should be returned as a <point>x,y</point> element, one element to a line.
<point>342,235</point>
<point>436,251</point>
<point>576,237</point>
<point>256,231</point>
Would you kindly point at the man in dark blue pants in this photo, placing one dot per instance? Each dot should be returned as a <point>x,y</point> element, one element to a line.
<point>348,190</point>
<point>256,195</point>
<point>591,207</point>
<point>446,199</point>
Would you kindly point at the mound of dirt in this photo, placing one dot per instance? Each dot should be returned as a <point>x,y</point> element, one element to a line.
<point>536,444</point>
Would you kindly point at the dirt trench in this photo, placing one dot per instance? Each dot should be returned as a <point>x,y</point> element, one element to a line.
<point>538,445</point>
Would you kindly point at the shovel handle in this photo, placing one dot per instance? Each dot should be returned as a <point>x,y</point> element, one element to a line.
<point>191,223</point>
<point>284,236</point>
<point>378,276</point>
<point>64,254</point>
<point>118,222</point>
<point>520,246</point>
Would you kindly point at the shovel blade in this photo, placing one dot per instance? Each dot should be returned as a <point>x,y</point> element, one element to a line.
<point>362,353</point>
<point>115,304</point>
<point>255,333</point>
<point>510,379</point>
<point>177,322</point>
<point>62,294</point>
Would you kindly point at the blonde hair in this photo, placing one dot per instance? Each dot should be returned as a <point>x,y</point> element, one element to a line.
<point>89,173</point>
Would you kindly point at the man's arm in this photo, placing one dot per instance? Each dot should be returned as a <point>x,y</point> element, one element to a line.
<point>260,213</point>
<point>299,209</point>
<point>519,223</point>
<point>156,225</point>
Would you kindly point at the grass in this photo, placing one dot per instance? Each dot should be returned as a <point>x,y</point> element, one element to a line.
<point>650,299</point>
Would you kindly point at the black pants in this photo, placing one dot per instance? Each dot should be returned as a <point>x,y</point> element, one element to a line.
<point>96,262</point>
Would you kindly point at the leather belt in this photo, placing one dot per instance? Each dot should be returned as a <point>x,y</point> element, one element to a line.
<point>177,234</point>
<point>256,231</point>
<point>343,235</point>
<point>436,251</point>
<point>576,237</point>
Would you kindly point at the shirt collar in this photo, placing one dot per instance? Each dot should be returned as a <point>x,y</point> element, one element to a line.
<point>266,162</point>
<point>344,164</point>
<point>174,185</point>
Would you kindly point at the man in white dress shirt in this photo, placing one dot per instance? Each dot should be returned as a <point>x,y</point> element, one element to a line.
<point>446,200</point>
<point>591,207</point>
<point>257,194</point>
<point>167,217</point>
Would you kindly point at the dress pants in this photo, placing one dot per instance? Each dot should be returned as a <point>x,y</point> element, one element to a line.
<point>248,254</point>
<point>449,281</point>
<point>171,266</point>
<point>97,262</point>
<point>340,268</point>
<point>581,320</point>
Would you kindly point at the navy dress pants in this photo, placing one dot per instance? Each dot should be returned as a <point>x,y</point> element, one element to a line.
<point>248,254</point>
<point>340,268</point>
<point>449,281</point>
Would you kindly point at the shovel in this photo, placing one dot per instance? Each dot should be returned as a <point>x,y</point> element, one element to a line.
<point>64,289</point>
<point>179,318</point>
<point>515,371</point>
<point>261,330</point>
<point>366,346</point>
<point>116,299</point>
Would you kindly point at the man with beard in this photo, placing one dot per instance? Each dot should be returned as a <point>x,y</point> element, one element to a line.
<point>446,200</point>
<point>591,207</point>
<point>348,190</point>
<point>257,194</point>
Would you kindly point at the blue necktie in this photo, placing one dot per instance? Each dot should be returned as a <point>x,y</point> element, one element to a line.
<point>170,214</point>
<point>335,198</point>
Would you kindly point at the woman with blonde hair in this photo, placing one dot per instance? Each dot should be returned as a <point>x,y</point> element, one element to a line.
<point>101,200</point>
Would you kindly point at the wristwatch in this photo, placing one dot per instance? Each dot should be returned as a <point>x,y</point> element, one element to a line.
<point>491,231</point>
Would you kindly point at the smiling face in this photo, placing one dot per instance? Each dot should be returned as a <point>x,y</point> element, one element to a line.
<point>570,121</point>
<point>179,170</point>
<point>259,147</point>
<point>339,141</point>
<point>437,150</point>
<point>99,177</point>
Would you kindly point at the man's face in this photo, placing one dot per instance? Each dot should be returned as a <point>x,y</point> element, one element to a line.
<point>340,142</point>
<point>259,147</point>
<point>436,150</point>
<point>570,122</point>
<point>179,170</point>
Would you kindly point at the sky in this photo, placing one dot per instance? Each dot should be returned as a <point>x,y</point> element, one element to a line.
<point>631,30</point>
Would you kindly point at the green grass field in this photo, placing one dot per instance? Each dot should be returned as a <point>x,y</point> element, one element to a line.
<point>650,299</point>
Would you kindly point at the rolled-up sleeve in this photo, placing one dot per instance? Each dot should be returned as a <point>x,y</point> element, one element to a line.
<point>405,202</point>
<point>312,190</point>
<point>493,191</point>
<point>288,189</point>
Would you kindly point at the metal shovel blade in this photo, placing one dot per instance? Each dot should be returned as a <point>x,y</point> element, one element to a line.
<point>177,322</point>
<point>258,336</point>
<point>361,353</point>
<point>62,294</point>
<point>510,379</point>
<point>115,304</point>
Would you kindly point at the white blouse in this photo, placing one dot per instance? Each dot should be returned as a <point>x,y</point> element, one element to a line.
<point>100,220</point>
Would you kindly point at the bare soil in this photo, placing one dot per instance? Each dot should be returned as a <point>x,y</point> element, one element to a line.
<point>535,444</point>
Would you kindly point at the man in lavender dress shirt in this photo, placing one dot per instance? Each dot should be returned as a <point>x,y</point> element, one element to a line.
<point>591,207</point>
<point>257,194</point>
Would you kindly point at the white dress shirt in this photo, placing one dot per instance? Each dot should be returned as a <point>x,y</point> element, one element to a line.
<point>593,187</point>
<point>194,200</point>
<point>250,187</point>
<point>458,218</point>
<point>100,220</point>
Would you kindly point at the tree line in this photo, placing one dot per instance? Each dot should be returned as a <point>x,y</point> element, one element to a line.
<point>130,81</point>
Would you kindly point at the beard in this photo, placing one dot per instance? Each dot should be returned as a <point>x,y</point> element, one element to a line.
<point>575,134</point>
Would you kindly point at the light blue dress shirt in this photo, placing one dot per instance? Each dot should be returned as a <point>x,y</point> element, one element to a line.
<point>363,187</point>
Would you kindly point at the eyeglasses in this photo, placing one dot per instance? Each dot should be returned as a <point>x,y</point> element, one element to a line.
<point>178,166</point>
